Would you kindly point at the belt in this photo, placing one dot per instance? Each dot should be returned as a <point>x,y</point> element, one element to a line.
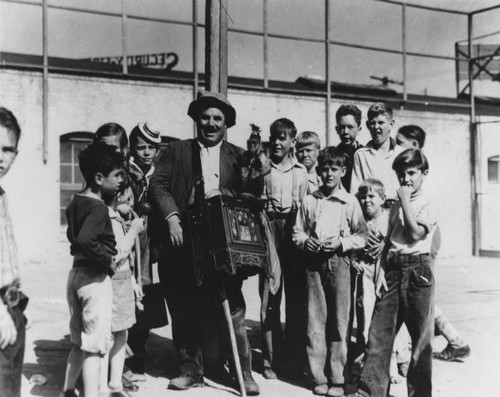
<point>278,215</point>
<point>408,260</point>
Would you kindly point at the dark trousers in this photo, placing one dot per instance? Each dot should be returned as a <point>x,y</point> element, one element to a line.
<point>294,283</point>
<point>188,304</point>
<point>11,358</point>
<point>409,299</point>
<point>329,304</point>
<point>136,340</point>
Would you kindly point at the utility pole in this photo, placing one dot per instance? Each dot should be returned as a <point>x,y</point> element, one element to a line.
<point>216,46</point>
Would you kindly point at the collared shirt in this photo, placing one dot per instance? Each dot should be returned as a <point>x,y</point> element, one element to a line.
<point>139,181</point>
<point>349,150</point>
<point>210,166</point>
<point>314,180</point>
<point>336,216</point>
<point>124,242</point>
<point>425,216</point>
<point>285,187</point>
<point>372,163</point>
<point>9,264</point>
<point>378,226</point>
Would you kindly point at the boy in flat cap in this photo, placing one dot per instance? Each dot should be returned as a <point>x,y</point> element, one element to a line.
<point>172,189</point>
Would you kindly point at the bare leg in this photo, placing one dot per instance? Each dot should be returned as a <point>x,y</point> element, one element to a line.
<point>90,374</point>
<point>103,380</point>
<point>117,359</point>
<point>73,367</point>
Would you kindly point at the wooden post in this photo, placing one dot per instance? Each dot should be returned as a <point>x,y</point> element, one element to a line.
<point>212,42</point>
<point>216,81</point>
<point>223,38</point>
<point>216,61</point>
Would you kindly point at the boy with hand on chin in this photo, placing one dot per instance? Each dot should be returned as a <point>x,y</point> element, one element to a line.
<point>329,225</point>
<point>407,288</point>
<point>89,289</point>
<point>376,158</point>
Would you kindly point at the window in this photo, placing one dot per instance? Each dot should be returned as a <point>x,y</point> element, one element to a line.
<point>493,169</point>
<point>71,180</point>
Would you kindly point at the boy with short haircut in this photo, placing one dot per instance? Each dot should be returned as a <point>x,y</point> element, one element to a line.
<point>408,284</point>
<point>348,118</point>
<point>308,146</point>
<point>12,320</point>
<point>366,262</point>
<point>89,289</point>
<point>329,225</point>
<point>376,158</point>
<point>284,187</point>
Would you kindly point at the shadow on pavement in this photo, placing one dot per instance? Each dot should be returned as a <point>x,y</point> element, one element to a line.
<point>51,358</point>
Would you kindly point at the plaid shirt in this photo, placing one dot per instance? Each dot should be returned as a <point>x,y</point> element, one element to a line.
<point>9,265</point>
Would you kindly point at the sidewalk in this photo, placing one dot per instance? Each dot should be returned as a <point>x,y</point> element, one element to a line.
<point>468,292</point>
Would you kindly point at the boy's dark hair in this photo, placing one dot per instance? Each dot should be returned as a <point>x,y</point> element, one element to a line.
<point>111,129</point>
<point>371,184</point>
<point>412,131</point>
<point>346,110</point>
<point>9,121</point>
<point>332,156</point>
<point>410,158</point>
<point>379,108</point>
<point>133,138</point>
<point>283,125</point>
<point>98,157</point>
<point>308,138</point>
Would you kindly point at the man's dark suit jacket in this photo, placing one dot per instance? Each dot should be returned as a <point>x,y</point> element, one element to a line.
<point>172,183</point>
<point>170,191</point>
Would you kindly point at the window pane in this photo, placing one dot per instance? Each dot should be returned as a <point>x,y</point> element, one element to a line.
<point>78,176</point>
<point>66,174</point>
<point>65,151</point>
<point>63,217</point>
<point>66,196</point>
<point>493,166</point>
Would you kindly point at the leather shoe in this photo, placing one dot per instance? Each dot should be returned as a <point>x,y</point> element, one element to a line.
<point>335,391</point>
<point>450,353</point>
<point>269,373</point>
<point>251,387</point>
<point>128,385</point>
<point>186,381</point>
<point>320,390</point>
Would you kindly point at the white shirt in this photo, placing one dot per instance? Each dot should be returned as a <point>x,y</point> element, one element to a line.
<point>285,186</point>
<point>210,166</point>
<point>336,216</point>
<point>425,216</point>
<point>372,163</point>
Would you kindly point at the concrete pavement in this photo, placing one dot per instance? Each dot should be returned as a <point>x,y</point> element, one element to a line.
<point>468,292</point>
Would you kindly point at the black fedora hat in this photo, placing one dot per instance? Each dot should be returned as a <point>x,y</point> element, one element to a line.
<point>207,100</point>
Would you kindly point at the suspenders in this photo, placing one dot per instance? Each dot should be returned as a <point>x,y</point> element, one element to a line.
<point>268,192</point>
